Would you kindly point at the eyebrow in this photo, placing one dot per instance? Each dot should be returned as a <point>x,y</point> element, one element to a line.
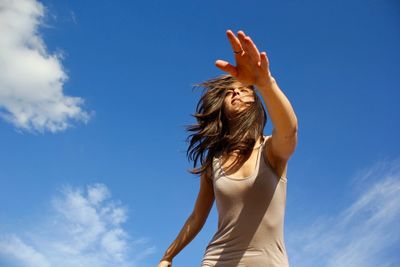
<point>248,90</point>
<point>242,87</point>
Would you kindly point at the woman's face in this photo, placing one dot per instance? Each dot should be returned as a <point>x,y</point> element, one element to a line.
<point>237,98</point>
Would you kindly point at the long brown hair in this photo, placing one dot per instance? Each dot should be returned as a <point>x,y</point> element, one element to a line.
<point>212,135</point>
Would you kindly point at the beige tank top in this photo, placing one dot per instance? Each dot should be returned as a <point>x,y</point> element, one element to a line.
<point>250,218</point>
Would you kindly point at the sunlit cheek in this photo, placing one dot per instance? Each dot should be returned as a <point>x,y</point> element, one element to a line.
<point>248,99</point>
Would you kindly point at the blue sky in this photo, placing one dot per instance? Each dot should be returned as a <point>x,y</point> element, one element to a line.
<point>95,96</point>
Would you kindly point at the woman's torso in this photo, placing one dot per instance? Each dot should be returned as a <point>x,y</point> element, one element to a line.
<point>250,218</point>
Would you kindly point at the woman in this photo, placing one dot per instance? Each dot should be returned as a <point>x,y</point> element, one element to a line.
<point>244,171</point>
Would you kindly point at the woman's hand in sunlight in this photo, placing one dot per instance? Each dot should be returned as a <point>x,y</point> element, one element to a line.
<point>252,67</point>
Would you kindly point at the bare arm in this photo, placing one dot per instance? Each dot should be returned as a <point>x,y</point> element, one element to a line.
<point>253,68</point>
<point>196,220</point>
<point>284,133</point>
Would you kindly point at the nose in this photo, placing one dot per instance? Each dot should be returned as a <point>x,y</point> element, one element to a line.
<point>236,91</point>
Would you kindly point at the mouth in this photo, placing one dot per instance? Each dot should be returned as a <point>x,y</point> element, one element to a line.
<point>236,99</point>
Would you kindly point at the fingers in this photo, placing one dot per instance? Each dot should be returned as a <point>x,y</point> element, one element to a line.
<point>227,67</point>
<point>264,61</point>
<point>243,42</point>
<point>248,45</point>
<point>235,43</point>
<point>252,49</point>
<point>249,56</point>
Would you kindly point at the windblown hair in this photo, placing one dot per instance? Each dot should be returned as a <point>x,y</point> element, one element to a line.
<point>212,136</point>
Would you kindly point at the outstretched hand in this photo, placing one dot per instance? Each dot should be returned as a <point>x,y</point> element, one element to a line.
<point>252,67</point>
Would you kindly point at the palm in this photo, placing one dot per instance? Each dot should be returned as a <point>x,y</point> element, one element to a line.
<point>246,72</point>
<point>252,67</point>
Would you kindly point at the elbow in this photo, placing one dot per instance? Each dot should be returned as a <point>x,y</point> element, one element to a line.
<point>285,143</point>
<point>295,126</point>
<point>289,134</point>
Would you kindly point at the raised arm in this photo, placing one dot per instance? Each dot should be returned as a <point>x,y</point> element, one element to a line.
<point>194,223</point>
<point>252,68</point>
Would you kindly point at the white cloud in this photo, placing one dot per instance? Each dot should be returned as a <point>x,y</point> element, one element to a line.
<point>31,79</point>
<point>366,233</point>
<point>24,254</point>
<point>79,232</point>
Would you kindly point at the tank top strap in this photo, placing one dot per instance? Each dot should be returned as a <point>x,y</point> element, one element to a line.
<point>216,160</point>
<point>265,140</point>
<point>262,145</point>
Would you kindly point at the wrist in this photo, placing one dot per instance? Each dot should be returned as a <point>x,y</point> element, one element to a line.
<point>266,82</point>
